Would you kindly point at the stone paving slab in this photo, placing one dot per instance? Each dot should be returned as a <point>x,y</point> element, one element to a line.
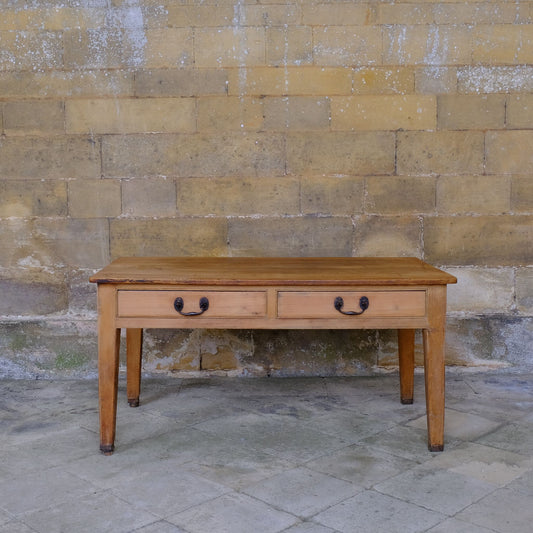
<point>310,455</point>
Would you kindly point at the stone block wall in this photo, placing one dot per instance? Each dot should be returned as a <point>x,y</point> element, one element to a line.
<point>264,127</point>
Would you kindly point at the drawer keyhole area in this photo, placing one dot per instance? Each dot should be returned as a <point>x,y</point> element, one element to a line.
<point>179,304</point>
<point>363,304</point>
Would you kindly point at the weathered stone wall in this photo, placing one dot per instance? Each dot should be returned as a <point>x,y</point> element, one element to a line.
<point>264,127</point>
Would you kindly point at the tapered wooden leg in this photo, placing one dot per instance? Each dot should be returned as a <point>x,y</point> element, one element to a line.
<point>434,367</point>
<point>108,355</point>
<point>134,339</point>
<point>406,356</point>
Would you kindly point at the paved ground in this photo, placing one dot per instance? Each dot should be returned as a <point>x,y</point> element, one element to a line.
<point>268,455</point>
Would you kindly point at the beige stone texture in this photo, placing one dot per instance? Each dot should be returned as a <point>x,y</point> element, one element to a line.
<point>332,195</point>
<point>41,198</point>
<point>522,194</point>
<point>481,290</point>
<point>94,198</point>
<point>180,82</point>
<point>220,113</point>
<point>383,80</point>
<point>519,111</point>
<point>503,44</point>
<point>469,112</point>
<point>48,243</point>
<point>509,152</point>
<point>34,117</point>
<point>229,48</point>
<point>480,195</point>
<point>289,46</point>
<point>164,48</point>
<point>436,80</point>
<point>238,196</point>
<point>445,152</point>
<point>199,15</point>
<point>393,195</point>
<point>335,153</point>
<point>66,83</point>
<point>276,81</point>
<point>338,13</point>
<point>101,48</point>
<point>426,45</point>
<point>337,46</point>
<point>227,154</point>
<point>481,241</point>
<point>296,113</point>
<point>494,79</point>
<point>49,157</point>
<point>477,12</point>
<point>168,237</point>
<point>524,290</point>
<point>269,14</point>
<point>388,236</point>
<point>406,13</point>
<point>150,115</point>
<point>291,236</point>
<point>154,197</point>
<point>31,50</point>
<point>383,112</point>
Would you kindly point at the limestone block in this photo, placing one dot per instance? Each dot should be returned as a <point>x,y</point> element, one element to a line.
<point>494,79</point>
<point>66,83</point>
<point>31,50</point>
<point>400,195</point>
<point>219,113</point>
<point>32,292</point>
<point>296,113</point>
<point>42,198</point>
<point>406,13</point>
<point>200,15</point>
<point>34,117</point>
<point>163,48</point>
<point>275,81</point>
<point>292,45</point>
<point>502,44</point>
<point>383,80</point>
<point>336,153</point>
<point>229,48</point>
<point>49,157</point>
<point>444,152</point>
<point>180,82</point>
<point>519,111</point>
<point>153,115</point>
<point>524,290</point>
<point>469,112</point>
<point>154,197</point>
<point>332,196</point>
<point>509,152</point>
<point>481,290</point>
<point>269,14</point>
<point>436,80</point>
<point>383,112</point>
<point>168,237</point>
<point>392,236</point>
<point>238,196</point>
<point>484,195</point>
<point>291,237</point>
<point>484,241</point>
<point>522,194</point>
<point>94,198</point>
<point>206,155</point>
<point>337,46</point>
<point>338,13</point>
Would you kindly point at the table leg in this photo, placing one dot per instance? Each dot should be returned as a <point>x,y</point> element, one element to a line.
<point>406,356</point>
<point>434,367</point>
<point>108,357</point>
<point>134,339</point>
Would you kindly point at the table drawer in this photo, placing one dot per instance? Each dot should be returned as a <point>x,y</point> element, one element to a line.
<point>308,304</point>
<point>199,304</point>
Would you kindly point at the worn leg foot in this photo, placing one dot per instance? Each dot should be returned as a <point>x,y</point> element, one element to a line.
<point>133,402</point>
<point>107,449</point>
<point>436,448</point>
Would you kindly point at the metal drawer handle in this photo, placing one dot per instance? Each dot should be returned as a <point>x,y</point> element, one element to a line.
<point>363,304</point>
<point>204,306</point>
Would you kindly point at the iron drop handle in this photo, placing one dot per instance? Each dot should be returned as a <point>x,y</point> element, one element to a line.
<point>363,304</point>
<point>204,306</point>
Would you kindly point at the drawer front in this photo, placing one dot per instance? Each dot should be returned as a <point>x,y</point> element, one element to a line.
<point>221,304</point>
<point>308,304</point>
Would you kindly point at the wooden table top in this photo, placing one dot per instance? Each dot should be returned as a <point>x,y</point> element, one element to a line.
<point>269,271</point>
